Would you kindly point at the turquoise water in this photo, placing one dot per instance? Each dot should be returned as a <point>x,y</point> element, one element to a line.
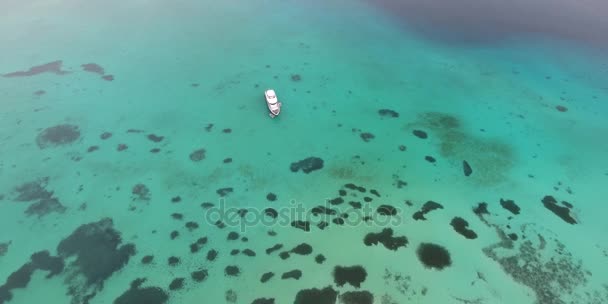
<point>129,129</point>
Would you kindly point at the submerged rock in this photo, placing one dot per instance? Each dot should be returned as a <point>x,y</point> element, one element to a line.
<point>307,165</point>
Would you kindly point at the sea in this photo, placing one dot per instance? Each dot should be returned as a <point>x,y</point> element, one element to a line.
<point>425,152</point>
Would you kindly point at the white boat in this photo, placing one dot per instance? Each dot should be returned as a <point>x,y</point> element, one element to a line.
<point>274,105</point>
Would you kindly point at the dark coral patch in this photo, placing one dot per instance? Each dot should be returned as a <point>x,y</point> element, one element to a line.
<point>176,284</point>
<point>274,248</point>
<point>212,255</point>
<point>296,77</point>
<point>92,149</point>
<point>307,165</point>
<point>96,253</point>
<point>367,137</point>
<point>293,274</point>
<point>433,256</point>
<point>44,207</point>
<point>197,155</point>
<point>355,205</point>
<point>148,295</point>
<point>326,295</point>
<point>338,221</point>
<point>320,259</point>
<point>336,201</point>
<point>173,261</point>
<point>466,168</point>
<point>357,297</point>
<point>220,224</point>
<point>426,208</point>
<point>563,212</point>
<point>561,108</point>
<point>199,275</point>
<point>140,192</point>
<point>510,205</point>
<point>39,92</point>
<point>57,135</point>
<point>263,301</point>
<point>302,249</point>
<point>33,191</point>
<point>271,212</point>
<point>51,67</point>
<point>202,241</point>
<point>304,225</point>
<point>191,225</point>
<point>386,238</point>
<point>388,113</point>
<point>107,77</point>
<point>105,135</point>
<point>248,252</point>
<point>386,210</point>
<point>17,279</point>
<point>420,134</point>
<point>224,191</point>
<point>155,138</point>
<point>322,210</point>
<point>230,296</point>
<point>232,236</point>
<point>266,276</point>
<point>374,192</point>
<point>121,147</point>
<point>430,159</point>
<point>232,271</point>
<point>227,160</point>
<point>147,259</point>
<point>176,199</point>
<point>93,68</point>
<point>353,275</point>
<point>42,260</point>
<point>4,248</point>
<point>207,205</point>
<point>154,150</point>
<point>271,197</point>
<point>460,225</point>
<point>481,209</point>
<point>194,248</point>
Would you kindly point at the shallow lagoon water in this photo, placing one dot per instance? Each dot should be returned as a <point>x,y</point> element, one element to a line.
<point>130,129</point>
